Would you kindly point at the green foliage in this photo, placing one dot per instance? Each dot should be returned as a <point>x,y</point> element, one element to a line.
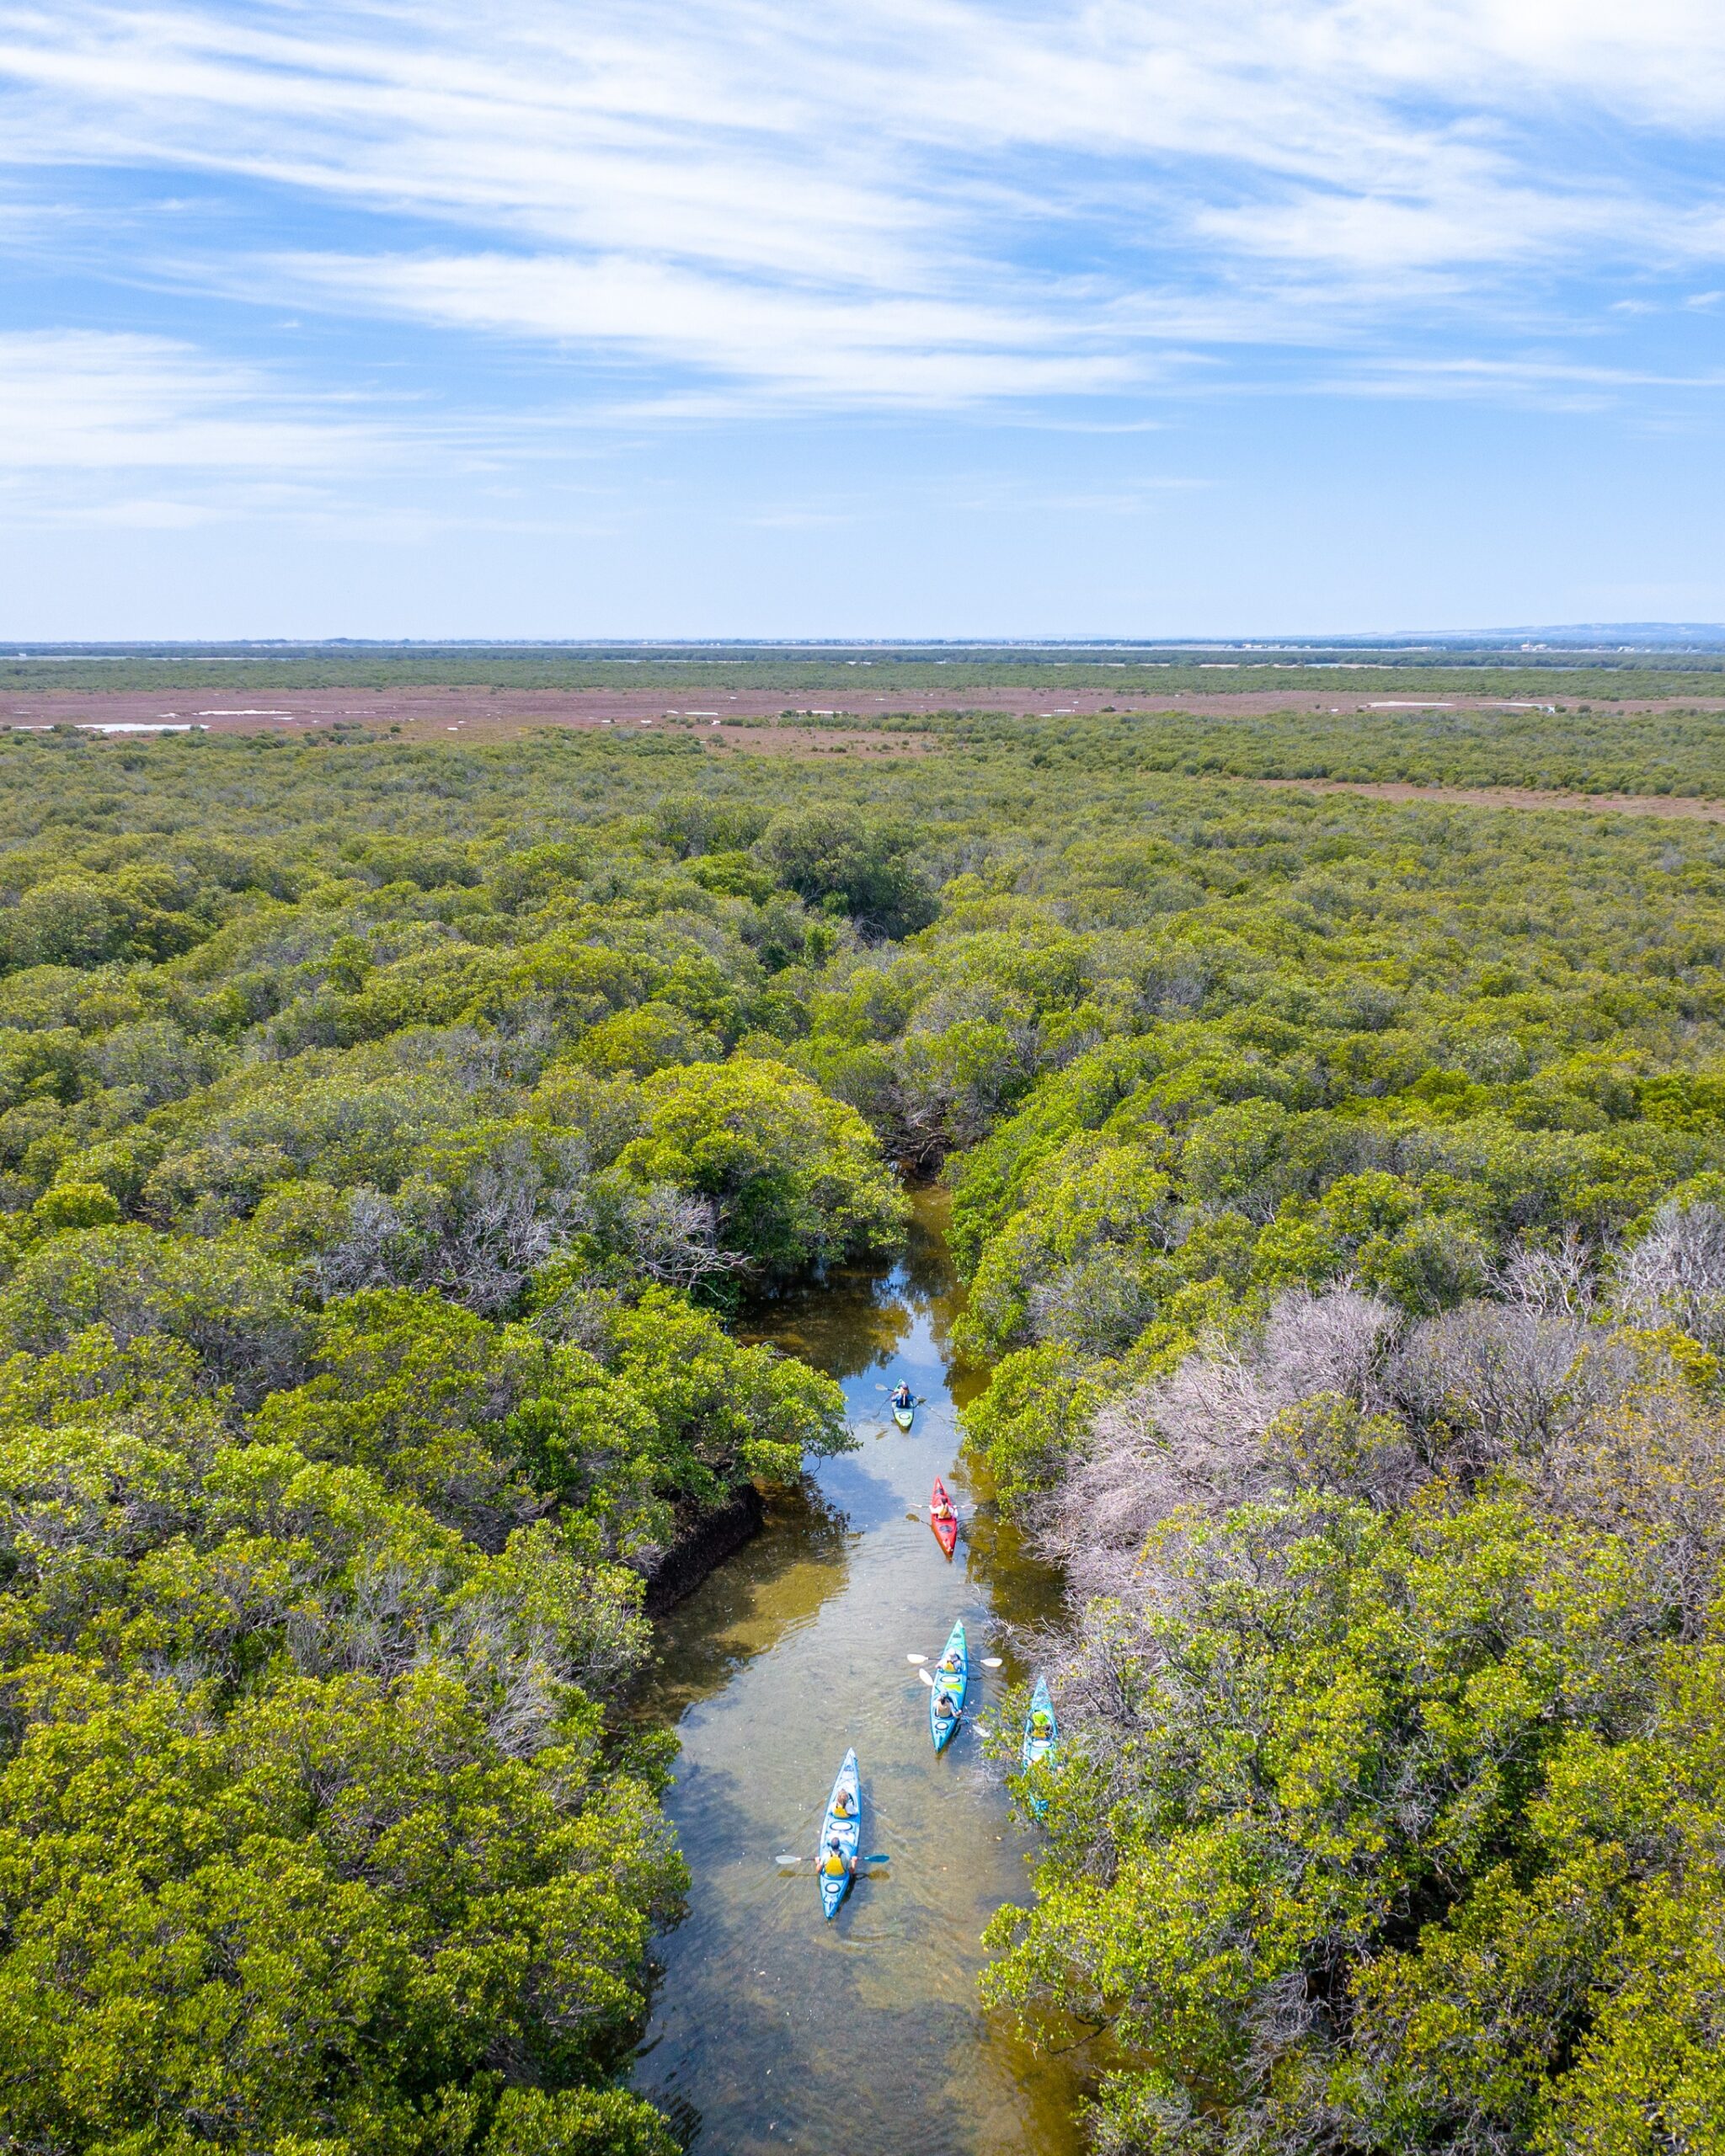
<point>232,1305</point>
<point>360,1833</point>
<point>827,856</point>
<point>353,1180</point>
<point>320,1917</point>
<point>406,1387</point>
<point>669,1415</point>
<point>794,1177</point>
<point>654,1036</point>
<point>962,676</point>
<point>1574,740</point>
<point>1392,1881</point>
<point>720,1406</point>
<point>76,1205</point>
<point>1342,1190</point>
<point>1035,1414</point>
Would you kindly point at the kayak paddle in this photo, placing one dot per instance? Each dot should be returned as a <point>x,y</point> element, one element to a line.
<point>879,1856</point>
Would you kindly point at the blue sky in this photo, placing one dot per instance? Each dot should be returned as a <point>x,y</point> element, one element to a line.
<point>891,317</point>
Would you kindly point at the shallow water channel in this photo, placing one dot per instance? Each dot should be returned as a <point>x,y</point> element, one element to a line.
<point>773,2029</point>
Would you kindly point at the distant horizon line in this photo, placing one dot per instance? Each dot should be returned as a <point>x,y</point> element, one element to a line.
<point>1633,636</point>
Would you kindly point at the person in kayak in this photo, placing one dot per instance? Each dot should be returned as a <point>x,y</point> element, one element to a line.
<point>944,1709</point>
<point>904,1396</point>
<point>1042,1725</point>
<point>841,1805</point>
<point>946,1510</point>
<point>834,1864</point>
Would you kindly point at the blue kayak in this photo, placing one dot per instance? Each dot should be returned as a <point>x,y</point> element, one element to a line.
<point>949,1684</point>
<point>1040,1740</point>
<point>846,1832</point>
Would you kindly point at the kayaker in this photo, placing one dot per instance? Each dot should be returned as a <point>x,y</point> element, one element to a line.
<point>944,1709</point>
<point>841,1805</point>
<point>904,1397</point>
<point>945,1510</point>
<point>834,1864</point>
<point>1041,1723</point>
<point>949,1665</point>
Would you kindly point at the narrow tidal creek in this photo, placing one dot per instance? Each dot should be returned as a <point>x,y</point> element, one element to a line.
<point>773,2029</point>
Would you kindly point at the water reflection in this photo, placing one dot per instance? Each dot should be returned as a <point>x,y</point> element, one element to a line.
<point>772,2028</point>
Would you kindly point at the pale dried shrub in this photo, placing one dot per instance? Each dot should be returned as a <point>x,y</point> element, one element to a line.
<point>1201,1436</point>
<point>1675,1275</point>
<point>1558,1279</point>
<point>476,1240</point>
<point>1333,1341</point>
<point>504,1221</point>
<point>672,1236</point>
<point>373,1250</point>
<point>1191,1439</point>
<point>1489,1383</point>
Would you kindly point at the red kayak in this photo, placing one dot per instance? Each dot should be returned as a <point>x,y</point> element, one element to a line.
<point>942,1518</point>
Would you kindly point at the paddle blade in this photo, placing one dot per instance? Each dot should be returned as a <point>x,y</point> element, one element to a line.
<point>992,1661</point>
<point>926,1678</point>
<point>917,1659</point>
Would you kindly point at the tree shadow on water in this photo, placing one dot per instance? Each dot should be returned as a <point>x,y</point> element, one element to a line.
<point>845,1323</point>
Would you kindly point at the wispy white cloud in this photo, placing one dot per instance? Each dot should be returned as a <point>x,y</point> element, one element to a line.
<point>86,401</point>
<point>148,433</point>
<point>1546,385</point>
<point>860,348</point>
<point>894,202</point>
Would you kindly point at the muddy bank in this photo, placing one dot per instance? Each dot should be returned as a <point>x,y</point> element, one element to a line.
<point>706,1543</point>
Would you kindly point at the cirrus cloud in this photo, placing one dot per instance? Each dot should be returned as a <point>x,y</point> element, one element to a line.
<point>939,201</point>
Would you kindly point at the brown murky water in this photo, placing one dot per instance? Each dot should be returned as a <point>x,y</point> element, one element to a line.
<point>773,2029</point>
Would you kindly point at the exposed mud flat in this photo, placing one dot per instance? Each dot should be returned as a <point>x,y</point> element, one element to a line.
<point>481,712</point>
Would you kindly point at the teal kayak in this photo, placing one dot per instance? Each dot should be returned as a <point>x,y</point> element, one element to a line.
<point>846,1831</point>
<point>1041,1736</point>
<point>950,1684</point>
